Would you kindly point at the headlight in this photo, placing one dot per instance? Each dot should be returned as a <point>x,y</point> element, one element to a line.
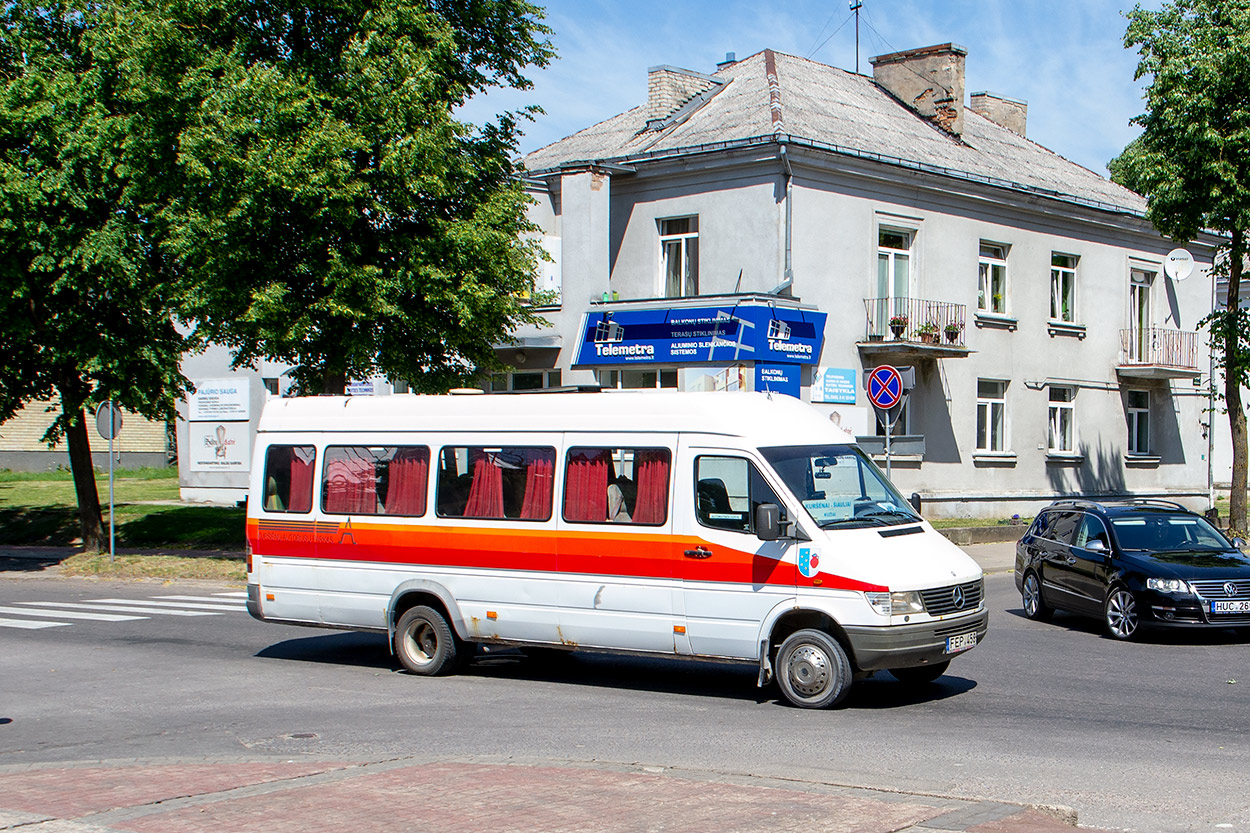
<point>1167,585</point>
<point>898,603</point>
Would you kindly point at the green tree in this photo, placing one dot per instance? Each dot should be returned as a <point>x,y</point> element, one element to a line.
<point>336,215</point>
<point>86,305</point>
<point>1192,162</point>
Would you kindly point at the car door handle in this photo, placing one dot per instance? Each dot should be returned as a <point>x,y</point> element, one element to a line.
<point>699,553</point>
<point>1071,559</point>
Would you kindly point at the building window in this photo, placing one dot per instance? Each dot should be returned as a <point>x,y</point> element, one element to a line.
<point>893,276</point>
<point>1137,404</point>
<point>992,279</point>
<point>524,380</point>
<point>1062,432</point>
<point>991,415</point>
<point>271,386</point>
<point>638,379</point>
<point>1063,287</point>
<point>679,256</point>
<point>1140,282</point>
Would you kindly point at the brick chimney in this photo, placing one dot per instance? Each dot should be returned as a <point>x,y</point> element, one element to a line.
<point>930,80</point>
<point>670,88</point>
<point>1010,113</point>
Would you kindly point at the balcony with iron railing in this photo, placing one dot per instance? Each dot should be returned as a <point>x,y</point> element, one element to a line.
<point>1158,353</point>
<point>911,328</point>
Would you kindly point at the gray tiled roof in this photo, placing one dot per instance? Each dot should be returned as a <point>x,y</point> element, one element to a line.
<point>829,107</point>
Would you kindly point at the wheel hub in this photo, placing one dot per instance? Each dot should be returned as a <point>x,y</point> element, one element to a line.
<point>809,670</point>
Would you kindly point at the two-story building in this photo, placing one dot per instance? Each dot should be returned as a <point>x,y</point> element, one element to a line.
<point>784,225</point>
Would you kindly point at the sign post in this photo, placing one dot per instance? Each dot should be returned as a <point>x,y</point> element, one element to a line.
<point>888,387</point>
<point>108,421</point>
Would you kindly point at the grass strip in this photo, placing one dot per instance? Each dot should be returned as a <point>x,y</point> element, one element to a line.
<point>170,567</point>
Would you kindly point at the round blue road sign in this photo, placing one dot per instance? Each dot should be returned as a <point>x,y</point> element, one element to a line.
<point>885,387</point>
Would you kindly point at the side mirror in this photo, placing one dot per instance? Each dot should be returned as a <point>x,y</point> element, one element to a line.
<point>1096,545</point>
<point>1239,543</point>
<point>768,522</point>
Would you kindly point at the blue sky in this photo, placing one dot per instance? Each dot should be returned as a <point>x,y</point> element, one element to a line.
<point>1065,58</point>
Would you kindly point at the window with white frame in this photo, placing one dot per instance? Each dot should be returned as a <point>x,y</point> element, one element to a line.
<point>991,415</point>
<point>524,380</point>
<point>638,379</point>
<point>1062,420</point>
<point>1139,322</point>
<point>679,256</point>
<point>893,275</point>
<point>992,279</point>
<point>1137,409</point>
<point>1063,287</point>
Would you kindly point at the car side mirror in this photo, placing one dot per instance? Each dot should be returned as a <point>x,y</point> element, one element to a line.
<point>768,522</point>
<point>1239,543</point>
<point>1096,545</point>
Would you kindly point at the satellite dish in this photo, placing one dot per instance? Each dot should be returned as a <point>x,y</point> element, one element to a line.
<point>1178,265</point>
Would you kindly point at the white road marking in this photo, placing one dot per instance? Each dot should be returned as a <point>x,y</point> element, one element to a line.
<point>237,594</point>
<point>217,602</point>
<point>220,608</point>
<point>73,614</point>
<point>151,611</point>
<point>30,625</point>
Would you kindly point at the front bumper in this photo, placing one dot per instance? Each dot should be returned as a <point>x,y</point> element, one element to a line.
<point>906,646</point>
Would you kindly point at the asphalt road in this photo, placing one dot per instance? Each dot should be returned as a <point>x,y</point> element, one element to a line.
<point>1150,736</point>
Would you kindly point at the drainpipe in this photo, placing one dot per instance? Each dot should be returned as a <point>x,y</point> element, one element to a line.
<point>788,275</point>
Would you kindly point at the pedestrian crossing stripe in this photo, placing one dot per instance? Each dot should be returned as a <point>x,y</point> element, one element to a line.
<point>220,608</point>
<point>117,608</point>
<point>30,625</point>
<point>218,600</point>
<point>72,614</point>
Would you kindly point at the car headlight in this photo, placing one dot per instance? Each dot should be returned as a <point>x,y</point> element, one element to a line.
<point>898,603</point>
<point>1167,585</point>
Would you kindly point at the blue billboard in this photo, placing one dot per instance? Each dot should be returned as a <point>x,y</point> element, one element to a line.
<point>704,334</point>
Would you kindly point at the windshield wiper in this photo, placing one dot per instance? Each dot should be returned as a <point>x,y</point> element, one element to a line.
<point>863,520</point>
<point>889,513</point>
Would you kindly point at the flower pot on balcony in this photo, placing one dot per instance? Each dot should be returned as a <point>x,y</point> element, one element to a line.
<point>929,338</point>
<point>952,336</point>
<point>897,329</point>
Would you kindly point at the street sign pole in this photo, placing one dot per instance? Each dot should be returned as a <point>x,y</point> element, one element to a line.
<point>108,422</point>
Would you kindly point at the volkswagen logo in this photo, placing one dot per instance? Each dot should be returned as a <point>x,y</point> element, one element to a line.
<point>957,597</point>
<point>1230,589</point>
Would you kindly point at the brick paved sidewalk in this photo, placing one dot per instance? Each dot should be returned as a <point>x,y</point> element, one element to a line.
<point>433,796</point>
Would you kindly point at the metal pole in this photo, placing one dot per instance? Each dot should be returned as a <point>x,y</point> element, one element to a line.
<point>112,551</point>
<point>889,429</point>
<point>1211,403</point>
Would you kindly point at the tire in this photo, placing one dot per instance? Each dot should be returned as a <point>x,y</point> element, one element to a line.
<point>1035,606</point>
<point>425,644</point>
<point>920,674</point>
<point>1119,614</point>
<point>812,670</point>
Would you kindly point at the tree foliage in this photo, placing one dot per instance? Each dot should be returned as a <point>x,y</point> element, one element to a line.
<point>86,305</point>
<point>336,215</point>
<point>1192,162</point>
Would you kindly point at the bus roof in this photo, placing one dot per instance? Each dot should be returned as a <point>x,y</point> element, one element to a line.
<point>765,419</point>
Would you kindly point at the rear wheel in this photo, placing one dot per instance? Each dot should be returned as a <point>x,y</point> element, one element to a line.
<point>1120,613</point>
<point>812,669</point>
<point>920,674</point>
<point>425,643</point>
<point>1031,595</point>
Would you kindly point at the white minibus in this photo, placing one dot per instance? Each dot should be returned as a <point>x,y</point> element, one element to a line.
<point>737,527</point>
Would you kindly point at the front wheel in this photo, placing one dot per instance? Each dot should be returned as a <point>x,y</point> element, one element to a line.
<point>1035,606</point>
<point>425,643</point>
<point>920,674</point>
<point>1120,614</point>
<point>812,669</point>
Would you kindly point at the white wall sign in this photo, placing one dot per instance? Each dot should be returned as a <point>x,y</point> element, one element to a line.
<point>220,446</point>
<point>220,399</point>
<point>359,388</point>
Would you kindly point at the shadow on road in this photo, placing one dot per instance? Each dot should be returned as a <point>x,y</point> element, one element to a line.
<point>630,673</point>
<point>1204,635</point>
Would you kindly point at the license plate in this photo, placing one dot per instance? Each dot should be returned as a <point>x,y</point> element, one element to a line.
<point>1238,606</point>
<point>962,642</point>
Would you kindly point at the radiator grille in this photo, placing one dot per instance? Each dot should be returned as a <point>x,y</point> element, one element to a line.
<point>955,598</point>
<point>1215,588</point>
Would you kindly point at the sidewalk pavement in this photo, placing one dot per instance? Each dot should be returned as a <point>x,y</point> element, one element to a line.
<point>471,795</point>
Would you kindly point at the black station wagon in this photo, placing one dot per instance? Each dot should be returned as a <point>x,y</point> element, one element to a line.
<point>1132,564</point>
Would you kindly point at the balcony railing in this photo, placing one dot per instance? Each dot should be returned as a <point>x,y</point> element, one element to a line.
<point>1159,347</point>
<point>916,320</point>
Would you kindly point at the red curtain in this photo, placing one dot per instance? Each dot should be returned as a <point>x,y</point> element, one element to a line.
<point>651,475</point>
<point>586,486</point>
<point>486,492</point>
<point>351,486</point>
<point>407,479</point>
<point>301,479</point>
<point>538,486</point>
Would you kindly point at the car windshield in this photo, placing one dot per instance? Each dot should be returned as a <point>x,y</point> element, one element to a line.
<point>839,486</point>
<point>1167,532</point>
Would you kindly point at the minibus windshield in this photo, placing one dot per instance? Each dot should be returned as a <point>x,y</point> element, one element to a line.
<point>839,486</point>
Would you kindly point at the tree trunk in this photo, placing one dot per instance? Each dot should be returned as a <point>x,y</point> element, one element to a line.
<point>335,382</point>
<point>89,517</point>
<point>1232,389</point>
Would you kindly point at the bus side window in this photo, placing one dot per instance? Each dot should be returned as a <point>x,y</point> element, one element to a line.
<point>289,478</point>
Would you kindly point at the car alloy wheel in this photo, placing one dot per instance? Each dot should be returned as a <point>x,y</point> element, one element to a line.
<point>1121,613</point>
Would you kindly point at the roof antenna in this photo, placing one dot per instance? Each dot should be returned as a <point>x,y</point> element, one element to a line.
<point>855,5</point>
